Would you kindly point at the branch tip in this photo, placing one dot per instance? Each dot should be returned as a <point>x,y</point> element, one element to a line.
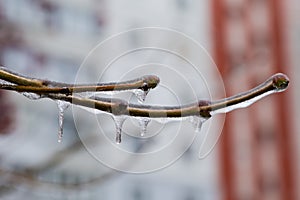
<point>280,81</point>
<point>150,81</point>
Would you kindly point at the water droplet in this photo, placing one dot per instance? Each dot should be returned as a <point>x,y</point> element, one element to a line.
<point>62,106</point>
<point>119,121</point>
<point>197,122</point>
<point>143,122</point>
<point>141,94</point>
<point>31,96</point>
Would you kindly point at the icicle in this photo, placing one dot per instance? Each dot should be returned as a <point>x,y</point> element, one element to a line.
<point>119,120</point>
<point>197,122</point>
<point>62,106</point>
<point>31,96</point>
<point>143,122</point>
<point>141,93</point>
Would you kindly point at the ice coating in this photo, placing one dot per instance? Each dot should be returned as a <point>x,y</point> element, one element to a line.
<point>38,88</point>
<point>280,82</point>
<point>3,82</point>
<point>31,96</point>
<point>277,83</point>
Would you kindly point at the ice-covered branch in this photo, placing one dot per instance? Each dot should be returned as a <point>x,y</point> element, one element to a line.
<point>203,108</point>
<point>65,94</point>
<point>22,83</point>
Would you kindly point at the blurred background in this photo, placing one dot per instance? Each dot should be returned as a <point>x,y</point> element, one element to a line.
<point>257,156</point>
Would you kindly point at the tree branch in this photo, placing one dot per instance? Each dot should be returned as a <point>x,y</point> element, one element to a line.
<point>62,91</point>
<point>21,83</point>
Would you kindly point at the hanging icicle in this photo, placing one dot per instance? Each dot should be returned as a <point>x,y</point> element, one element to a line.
<point>197,122</point>
<point>119,121</point>
<point>143,122</point>
<point>62,106</point>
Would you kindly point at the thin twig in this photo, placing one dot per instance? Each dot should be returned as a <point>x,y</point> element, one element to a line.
<point>12,77</point>
<point>276,83</point>
<point>22,83</point>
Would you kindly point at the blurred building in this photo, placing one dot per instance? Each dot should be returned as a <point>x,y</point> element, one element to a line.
<point>257,149</point>
<point>50,39</point>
